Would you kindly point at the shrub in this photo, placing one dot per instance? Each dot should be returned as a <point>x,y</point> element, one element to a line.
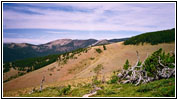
<point>152,62</point>
<point>110,92</point>
<point>6,67</point>
<point>126,65</point>
<point>95,80</point>
<point>159,88</point>
<point>104,47</point>
<point>65,90</point>
<point>75,57</point>
<point>145,88</point>
<point>100,92</point>
<point>114,78</point>
<point>98,50</point>
<point>92,58</point>
<point>98,68</point>
<point>20,73</point>
<point>165,92</point>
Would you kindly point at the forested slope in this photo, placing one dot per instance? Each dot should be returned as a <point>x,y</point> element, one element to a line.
<point>164,36</point>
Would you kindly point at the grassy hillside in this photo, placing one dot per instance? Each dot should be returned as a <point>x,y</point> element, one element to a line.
<point>114,88</point>
<point>165,36</point>
<point>159,88</point>
<point>82,65</point>
<point>65,70</point>
<point>31,64</point>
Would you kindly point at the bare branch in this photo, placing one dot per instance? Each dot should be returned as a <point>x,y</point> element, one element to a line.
<point>161,63</point>
<point>139,75</point>
<point>138,59</point>
<point>41,85</point>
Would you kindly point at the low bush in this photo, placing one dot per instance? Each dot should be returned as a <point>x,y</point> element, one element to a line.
<point>98,50</point>
<point>127,65</point>
<point>152,62</point>
<point>92,58</point>
<point>65,90</point>
<point>114,78</point>
<point>165,92</point>
<point>104,47</point>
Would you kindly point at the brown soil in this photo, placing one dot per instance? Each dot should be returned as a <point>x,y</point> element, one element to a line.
<point>82,68</point>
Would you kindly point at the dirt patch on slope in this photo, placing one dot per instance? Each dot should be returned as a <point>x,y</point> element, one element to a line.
<point>112,59</point>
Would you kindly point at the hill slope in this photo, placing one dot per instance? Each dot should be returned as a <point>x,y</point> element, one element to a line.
<point>164,36</point>
<point>82,64</point>
<point>18,51</point>
<point>158,88</point>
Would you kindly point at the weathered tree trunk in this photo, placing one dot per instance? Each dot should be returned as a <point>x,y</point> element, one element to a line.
<point>103,80</point>
<point>138,74</point>
<point>41,85</point>
<point>33,90</point>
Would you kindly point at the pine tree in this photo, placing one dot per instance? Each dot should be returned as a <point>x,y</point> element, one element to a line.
<point>104,47</point>
<point>126,65</point>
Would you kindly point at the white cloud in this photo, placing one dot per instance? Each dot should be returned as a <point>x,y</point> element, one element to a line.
<point>122,16</point>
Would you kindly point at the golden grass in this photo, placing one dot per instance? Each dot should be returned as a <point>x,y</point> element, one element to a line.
<point>80,70</point>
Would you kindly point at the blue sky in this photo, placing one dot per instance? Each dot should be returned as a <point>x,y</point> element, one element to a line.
<point>39,23</point>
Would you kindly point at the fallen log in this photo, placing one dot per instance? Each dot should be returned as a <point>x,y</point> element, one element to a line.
<point>90,94</point>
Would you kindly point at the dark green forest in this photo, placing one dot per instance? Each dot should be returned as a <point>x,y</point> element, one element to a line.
<point>12,52</point>
<point>35,63</point>
<point>30,63</point>
<point>164,36</point>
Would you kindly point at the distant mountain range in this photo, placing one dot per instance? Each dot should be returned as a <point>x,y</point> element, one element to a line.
<point>17,51</point>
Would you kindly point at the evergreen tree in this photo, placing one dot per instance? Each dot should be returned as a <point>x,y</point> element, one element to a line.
<point>126,65</point>
<point>104,47</point>
<point>165,36</point>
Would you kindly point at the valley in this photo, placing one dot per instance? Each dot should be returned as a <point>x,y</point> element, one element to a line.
<point>81,68</point>
<point>87,49</point>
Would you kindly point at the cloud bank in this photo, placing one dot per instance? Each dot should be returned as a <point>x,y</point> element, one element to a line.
<point>142,17</point>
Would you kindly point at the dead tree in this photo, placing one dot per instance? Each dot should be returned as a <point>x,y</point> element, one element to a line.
<point>33,90</point>
<point>41,85</point>
<point>137,74</point>
<point>103,80</point>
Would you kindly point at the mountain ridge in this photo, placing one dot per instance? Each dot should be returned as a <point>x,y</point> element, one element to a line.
<point>17,51</point>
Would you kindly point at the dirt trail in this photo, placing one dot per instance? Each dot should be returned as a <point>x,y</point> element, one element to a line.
<point>90,94</point>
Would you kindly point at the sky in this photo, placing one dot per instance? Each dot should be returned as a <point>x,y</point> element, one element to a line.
<point>39,23</point>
